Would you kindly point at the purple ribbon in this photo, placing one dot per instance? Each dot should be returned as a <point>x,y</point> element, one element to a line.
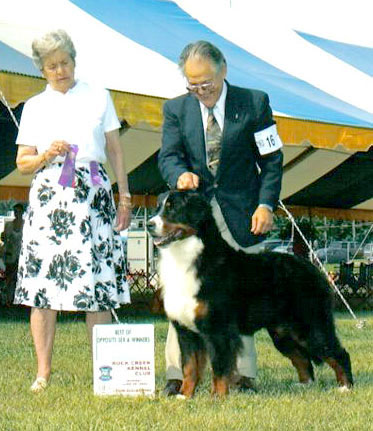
<point>67,178</point>
<point>95,176</point>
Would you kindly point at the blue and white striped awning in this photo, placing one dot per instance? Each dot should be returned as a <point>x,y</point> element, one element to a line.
<point>314,59</point>
<point>133,46</point>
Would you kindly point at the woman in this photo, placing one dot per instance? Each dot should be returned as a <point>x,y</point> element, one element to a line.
<point>71,257</point>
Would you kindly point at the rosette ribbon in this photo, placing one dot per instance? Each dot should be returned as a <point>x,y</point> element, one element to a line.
<point>67,178</point>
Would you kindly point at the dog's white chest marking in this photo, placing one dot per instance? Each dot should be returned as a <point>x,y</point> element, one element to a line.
<point>178,275</point>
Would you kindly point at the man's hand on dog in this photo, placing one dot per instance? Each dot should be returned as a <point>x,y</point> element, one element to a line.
<point>188,181</point>
<point>261,221</point>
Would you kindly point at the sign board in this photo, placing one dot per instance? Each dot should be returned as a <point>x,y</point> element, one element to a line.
<point>123,359</point>
<point>140,251</point>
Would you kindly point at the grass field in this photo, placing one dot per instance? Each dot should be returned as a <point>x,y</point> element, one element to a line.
<point>69,403</point>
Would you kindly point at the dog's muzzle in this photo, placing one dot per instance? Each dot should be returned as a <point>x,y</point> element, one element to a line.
<point>165,234</point>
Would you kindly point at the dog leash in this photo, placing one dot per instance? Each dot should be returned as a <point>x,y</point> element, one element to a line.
<point>115,316</point>
<point>9,109</point>
<point>359,322</point>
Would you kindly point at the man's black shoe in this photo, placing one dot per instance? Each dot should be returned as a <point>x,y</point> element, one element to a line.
<point>172,387</point>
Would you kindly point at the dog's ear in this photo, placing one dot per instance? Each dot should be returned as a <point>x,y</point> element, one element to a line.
<point>199,207</point>
<point>192,194</point>
<point>162,197</point>
<point>198,196</point>
<point>191,197</point>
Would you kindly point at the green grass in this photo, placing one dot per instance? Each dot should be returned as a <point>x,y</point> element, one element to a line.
<point>69,403</point>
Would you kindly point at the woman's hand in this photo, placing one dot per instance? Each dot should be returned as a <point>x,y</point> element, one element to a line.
<point>116,159</point>
<point>123,218</point>
<point>57,148</point>
<point>29,160</point>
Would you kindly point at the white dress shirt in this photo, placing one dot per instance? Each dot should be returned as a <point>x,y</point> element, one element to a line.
<point>218,110</point>
<point>81,116</point>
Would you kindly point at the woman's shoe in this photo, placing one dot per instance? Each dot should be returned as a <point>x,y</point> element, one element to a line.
<point>39,385</point>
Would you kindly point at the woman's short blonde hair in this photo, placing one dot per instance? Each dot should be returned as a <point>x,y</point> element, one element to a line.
<point>49,43</point>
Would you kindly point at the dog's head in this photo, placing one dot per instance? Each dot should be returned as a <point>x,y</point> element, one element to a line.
<point>180,215</point>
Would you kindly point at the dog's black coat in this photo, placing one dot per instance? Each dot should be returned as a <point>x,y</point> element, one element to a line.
<point>242,293</point>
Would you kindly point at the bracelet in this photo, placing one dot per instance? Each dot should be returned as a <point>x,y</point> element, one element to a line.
<point>125,204</point>
<point>125,200</point>
<point>125,195</point>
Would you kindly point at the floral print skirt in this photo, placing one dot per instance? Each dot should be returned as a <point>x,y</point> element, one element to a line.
<point>71,259</point>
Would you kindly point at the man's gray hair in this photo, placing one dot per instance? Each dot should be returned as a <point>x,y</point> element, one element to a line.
<point>49,43</point>
<point>205,50</point>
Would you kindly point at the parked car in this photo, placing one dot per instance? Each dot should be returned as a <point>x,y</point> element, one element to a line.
<point>266,245</point>
<point>332,255</point>
<point>339,251</point>
<point>286,247</point>
<point>271,244</point>
<point>368,251</point>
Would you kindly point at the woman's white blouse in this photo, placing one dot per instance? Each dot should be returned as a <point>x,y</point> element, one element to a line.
<point>81,116</point>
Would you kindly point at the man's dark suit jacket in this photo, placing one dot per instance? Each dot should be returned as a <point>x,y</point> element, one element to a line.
<point>238,185</point>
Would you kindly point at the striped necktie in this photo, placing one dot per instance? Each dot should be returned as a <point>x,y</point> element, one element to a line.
<point>213,141</point>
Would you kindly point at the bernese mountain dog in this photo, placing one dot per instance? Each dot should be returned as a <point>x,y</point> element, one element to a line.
<point>213,294</point>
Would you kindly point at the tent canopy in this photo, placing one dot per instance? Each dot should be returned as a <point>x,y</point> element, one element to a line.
<point>318,76</point>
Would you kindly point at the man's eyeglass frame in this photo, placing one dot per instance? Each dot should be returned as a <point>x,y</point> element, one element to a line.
<point>206,86</point>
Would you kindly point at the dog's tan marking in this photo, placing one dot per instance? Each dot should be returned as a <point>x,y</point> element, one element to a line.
<point>220,386</point>
<point>171,227</point>
<point>193,372</point>
<point>190,380</point>
<point>201,310</point>
<point>301,364</point>
<point>201,363</point>
<point>339,372</point>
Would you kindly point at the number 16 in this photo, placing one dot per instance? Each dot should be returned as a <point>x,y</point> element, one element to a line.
<point>271,141</point>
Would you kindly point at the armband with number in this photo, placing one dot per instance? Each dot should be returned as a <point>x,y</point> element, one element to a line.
<point>267,140</point>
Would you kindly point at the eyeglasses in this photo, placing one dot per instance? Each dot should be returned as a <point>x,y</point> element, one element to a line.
<point>53,67</point>
<point>206,86</point>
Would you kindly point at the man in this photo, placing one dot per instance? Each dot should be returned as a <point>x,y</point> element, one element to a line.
<point>222,140</point>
